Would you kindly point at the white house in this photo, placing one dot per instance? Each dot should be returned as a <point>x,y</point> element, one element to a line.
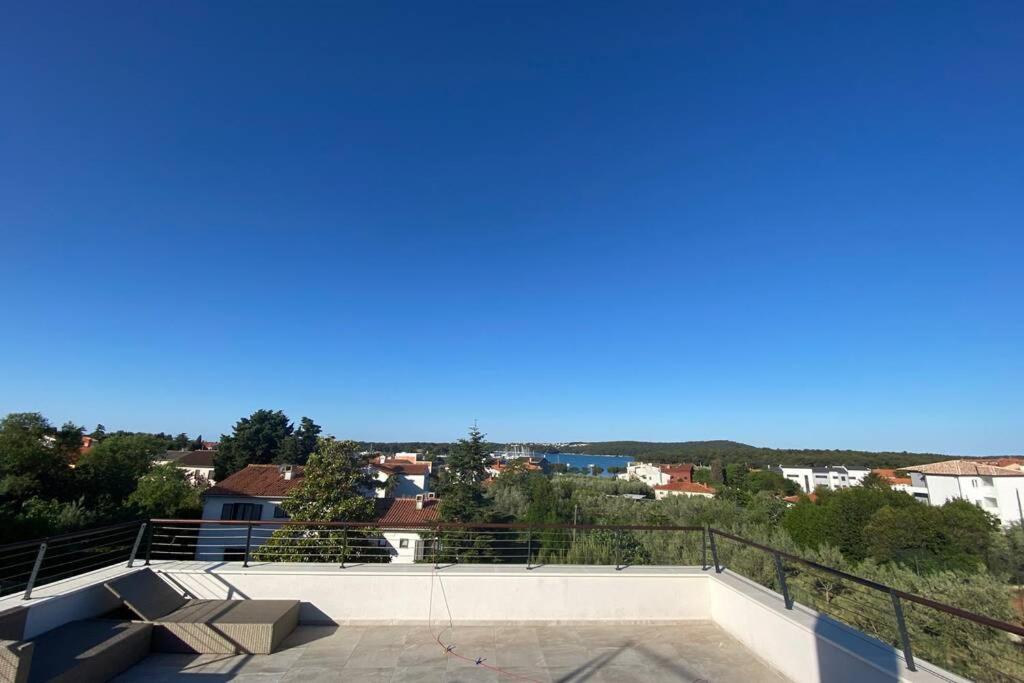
<point>831,477</point>
<point>656,475</point>
<point>411,477</point>
<point>683,488</point>
<point>995,489</point>
<point>256,493</point>
<point>197,465</point>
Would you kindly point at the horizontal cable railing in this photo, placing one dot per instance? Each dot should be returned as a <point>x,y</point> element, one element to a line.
<point>28,564</point>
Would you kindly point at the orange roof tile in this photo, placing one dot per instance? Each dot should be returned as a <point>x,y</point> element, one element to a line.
<point>402,467</point>
<point>813,497</point>
<point>685,486</point>
<point>398,511</point>
<point>890,476</point>
<point>257,480</point>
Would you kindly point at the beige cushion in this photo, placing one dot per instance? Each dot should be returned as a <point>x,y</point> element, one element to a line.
<point>146,594</point>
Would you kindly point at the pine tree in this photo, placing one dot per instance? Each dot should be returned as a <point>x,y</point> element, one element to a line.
<point>461,488</point>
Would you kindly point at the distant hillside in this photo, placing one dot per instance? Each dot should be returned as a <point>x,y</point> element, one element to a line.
<point>701,452</point>
<point>731,451</point>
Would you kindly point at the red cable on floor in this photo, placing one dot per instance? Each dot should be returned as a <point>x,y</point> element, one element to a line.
<point>449,650</point>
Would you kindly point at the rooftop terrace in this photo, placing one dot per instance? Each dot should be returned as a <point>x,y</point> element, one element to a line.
<point>511,618</point>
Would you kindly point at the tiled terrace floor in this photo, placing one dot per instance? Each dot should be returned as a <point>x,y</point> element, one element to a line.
<point>689,651</point>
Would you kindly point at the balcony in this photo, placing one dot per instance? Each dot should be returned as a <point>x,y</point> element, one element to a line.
<point>514,614</point>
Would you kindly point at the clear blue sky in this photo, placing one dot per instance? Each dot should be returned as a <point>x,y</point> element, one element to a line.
<point>797,226</point>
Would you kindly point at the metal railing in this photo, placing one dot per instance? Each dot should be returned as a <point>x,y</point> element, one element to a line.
<point>28,564</point>
<point>972,645</point>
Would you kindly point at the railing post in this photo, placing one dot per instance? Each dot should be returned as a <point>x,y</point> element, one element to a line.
<point>714,550</point>
<point>248,540</point>
<point>437,541</point>
<point>901,625</point>
<point>135,547</point>
<point>149,543</point>
<point>704,548</point>
<point>344,545</point>
<point>780,572</point>
<point>618,550</point>
<point>35,571</point>
<point>529,546</point>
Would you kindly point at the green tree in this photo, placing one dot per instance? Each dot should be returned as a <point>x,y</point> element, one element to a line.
<point>874,480</point>
<point>333,487</point>
<point>164,491</point>
<point>717,472</point>
<point>109,472</point>
<point>99,432</point>
<point>766,480</point>
<point>841,518</point>
<point>255,440</point>
<point>34,459</point>
<point>196,444</point>
<point>461,484</point>
<point>299,446</point>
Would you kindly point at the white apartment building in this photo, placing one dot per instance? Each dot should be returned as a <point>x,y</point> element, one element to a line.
<point>995,489</point>
<point>831,477</point>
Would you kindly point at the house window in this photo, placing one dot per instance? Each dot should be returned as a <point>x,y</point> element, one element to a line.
<point>242,511</point>
<point>974,483</point>
<point>279,513</point>
<point>403,543</point>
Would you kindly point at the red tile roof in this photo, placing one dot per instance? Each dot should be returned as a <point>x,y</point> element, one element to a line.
<point>402,467</point>
<point>890,476</point>
<point>196,459</point>
<point>398,511</point>
<point>257,480</point>
<point>685,487</point>
<point>796,499</point>
<point>677,469</point>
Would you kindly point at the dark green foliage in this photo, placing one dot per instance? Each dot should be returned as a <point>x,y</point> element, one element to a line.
<point>957,536</point>
<point>266,436</point>
<point>332,489</point>
<point>34,458</point>
<point>717,471</point>
<point>841,518</point>
<point>110,471</point>
<point>165,491</point>
<point>766,480</point>
<point>41,494</point>
<point>461,484</point>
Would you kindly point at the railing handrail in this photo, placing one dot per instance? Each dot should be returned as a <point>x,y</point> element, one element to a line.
<point>69,535</point>
<point>449,526</point>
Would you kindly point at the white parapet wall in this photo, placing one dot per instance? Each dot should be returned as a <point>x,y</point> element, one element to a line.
<point>465,593</point>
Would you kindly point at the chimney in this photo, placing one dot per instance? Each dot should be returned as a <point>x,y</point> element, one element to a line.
<point>419,501</point>
<point>286,472</point>
<point>383,459</point>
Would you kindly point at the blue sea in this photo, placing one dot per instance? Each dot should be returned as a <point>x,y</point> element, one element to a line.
<point>584,461</point>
